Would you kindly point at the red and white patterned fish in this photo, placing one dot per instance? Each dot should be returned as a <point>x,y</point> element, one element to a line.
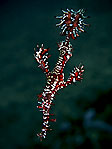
<point>71,24</point>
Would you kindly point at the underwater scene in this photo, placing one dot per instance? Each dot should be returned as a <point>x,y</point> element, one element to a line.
<point>83,109</point>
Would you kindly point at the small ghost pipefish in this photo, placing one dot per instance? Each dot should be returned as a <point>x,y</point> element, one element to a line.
<point>71,24</point>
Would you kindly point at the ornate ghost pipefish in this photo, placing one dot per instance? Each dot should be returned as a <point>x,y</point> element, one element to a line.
<point>71,24</point>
